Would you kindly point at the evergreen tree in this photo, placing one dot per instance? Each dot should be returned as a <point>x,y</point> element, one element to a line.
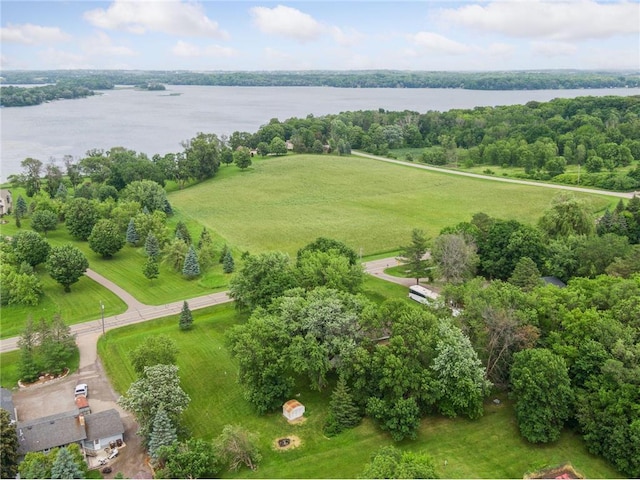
<point>225,249</point>
<point>228,265</point>
<point>167,208</point>
<point>186,319</point>
<point>21,207</point>
<point>151,269</point>
<point>132,233</point>
<point>62,193</point>
<point>526,274</point>
<point>191,268</point>
<point>343,412</point>
<point>182,233</point>
<point>205,238</point>
<point>9,446</point>
<point>163,433</point>
<point>18,222</point>
<point>412,256</point>
<point>152,246</point>
<point>65,466</point>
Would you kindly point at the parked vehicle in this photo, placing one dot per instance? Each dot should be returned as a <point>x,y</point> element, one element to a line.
<point>82,389</point>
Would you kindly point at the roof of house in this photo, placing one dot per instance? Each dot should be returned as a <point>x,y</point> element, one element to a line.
<point>49,432</point>
<point>103,424</point>
<point>554,281</point>
<point>291,405</point>
<point>6,402</point>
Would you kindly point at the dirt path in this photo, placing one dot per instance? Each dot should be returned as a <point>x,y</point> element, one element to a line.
<point>497,179</point>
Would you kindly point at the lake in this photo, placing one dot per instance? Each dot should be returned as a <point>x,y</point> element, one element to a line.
<point>157,122</point>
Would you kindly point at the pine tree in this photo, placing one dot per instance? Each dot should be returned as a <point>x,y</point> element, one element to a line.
<point>163,433</point>
<point>21,207</point>
<point>62,193</point>
<point>525,274</point>
<point>64,466</point>
<point>152,246</point>
<point>228,265</point>
<point>132,233</point>
<point>183,233</point>
<point>186,319</point>
<point>191,268</point>
<point>151,269</point>
<point>343,412</point>
<point>18,222</point>
<point>205,238</point>
<point>166,208</point>
<point>225,249</point>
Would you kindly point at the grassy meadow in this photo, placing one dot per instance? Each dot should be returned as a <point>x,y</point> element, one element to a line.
<point>286,202</point>
<point>490,447</point>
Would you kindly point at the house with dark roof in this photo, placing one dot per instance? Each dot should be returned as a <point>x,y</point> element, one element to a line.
<point>6,402</point>
<point>91,431</point>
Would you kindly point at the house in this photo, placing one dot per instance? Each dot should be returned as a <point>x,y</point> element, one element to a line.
<point>292,410</point>
<point>6,202</point>
<point>289,145</point>
<point>91,431</point>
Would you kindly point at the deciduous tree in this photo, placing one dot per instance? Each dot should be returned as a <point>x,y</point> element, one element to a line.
<point>390,462</point>
<point>106,239</point>
<point>66,265</point>
<point>455,257</point>
<point>30,247</point>
<point>80,217</point>
<point>44,221</point>
<point>155,350</point>
<point>193,458</point>
<point>9,444</point>
<point>236,447</point>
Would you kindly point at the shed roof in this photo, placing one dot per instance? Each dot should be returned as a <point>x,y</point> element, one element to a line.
<point>103,424</point>
<point>49,432</point>
<point>291,405</point>
<point>554,281</point>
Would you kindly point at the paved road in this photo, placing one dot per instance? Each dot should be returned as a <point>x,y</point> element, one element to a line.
<point>496,179</point>
<point>87,333</point>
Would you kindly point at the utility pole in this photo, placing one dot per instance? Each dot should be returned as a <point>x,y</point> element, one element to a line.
<point>102,310</point>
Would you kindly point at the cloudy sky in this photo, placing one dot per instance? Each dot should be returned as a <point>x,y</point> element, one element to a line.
<point>327,35</point>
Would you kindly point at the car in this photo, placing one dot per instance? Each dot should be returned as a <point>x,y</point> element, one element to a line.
<point>82,389</point>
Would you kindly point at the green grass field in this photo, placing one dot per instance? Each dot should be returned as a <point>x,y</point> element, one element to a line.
<point>286,202</point>
<point>487,448</point>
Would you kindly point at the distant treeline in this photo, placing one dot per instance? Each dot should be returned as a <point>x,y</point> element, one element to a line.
<point>12,96</point>
<point>514,80</point>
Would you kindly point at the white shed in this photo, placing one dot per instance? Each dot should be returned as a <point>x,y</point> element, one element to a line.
<point>292,410</point>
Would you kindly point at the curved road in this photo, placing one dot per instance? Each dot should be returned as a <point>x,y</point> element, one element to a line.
<point>87,333</point>
<point>496,179</point>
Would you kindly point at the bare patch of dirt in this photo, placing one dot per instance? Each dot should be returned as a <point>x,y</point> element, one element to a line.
<point>294,442</point>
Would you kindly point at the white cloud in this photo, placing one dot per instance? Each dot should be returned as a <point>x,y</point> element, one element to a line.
<point>52,58</point>
<point>553,49</point>
<point>436,43</point>
<point>553,20</point>
<point>101,44</point>
<point>29,34</point>
<point>287,22</point>
<point>173,17</point>
<point>500,50</point>
<point>346,39</point>
<point>185,49</point>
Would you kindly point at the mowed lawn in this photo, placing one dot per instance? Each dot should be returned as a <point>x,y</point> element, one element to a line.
<point>283,203</point>
<point>490,447</point>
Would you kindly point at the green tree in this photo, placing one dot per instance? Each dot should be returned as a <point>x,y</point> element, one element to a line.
<point>459,374</point>
<point>151,269</point>
<point>182,232</point>
<point>44,221</point>
<point>9,444</point>
<point>567,216</point>
<point>193,458</point>
<point>186,319</point>
<point>147,193</point>
<point>80,217</point>
<point>30,247</point>
<point>158,387</point>
<point>65,466</point>
<point>66,265</point>
<point>262,278</point>
<point>191,267</point>
<point>151,246</point>
<point>343,412</point>
<point>542,389</point>
<point>37,465</point>
<point>526,274</point>
<point>323,244</point>
<point>21,207</point>
<point>32,169</point>
<point>236,447</point>
<point>228,265</point>
<point>163,434</point>
<point>203,152</point>
<point>401,418</point>
<point>390,462</point>
<point>412,255</point>
<point>329,269</point>
<point>155,350</point>
<point>53,177</point>
<point>242,158</point>
<point>278,146</point>
<point>105,238</point>
<point>132,234</point>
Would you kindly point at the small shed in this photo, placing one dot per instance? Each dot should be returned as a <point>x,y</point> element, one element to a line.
<point>292,410</point>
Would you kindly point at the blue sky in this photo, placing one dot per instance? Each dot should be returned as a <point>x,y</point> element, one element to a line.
<point>326,35</point>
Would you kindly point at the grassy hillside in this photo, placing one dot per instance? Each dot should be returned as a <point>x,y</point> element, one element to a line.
<point>284,203</point>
